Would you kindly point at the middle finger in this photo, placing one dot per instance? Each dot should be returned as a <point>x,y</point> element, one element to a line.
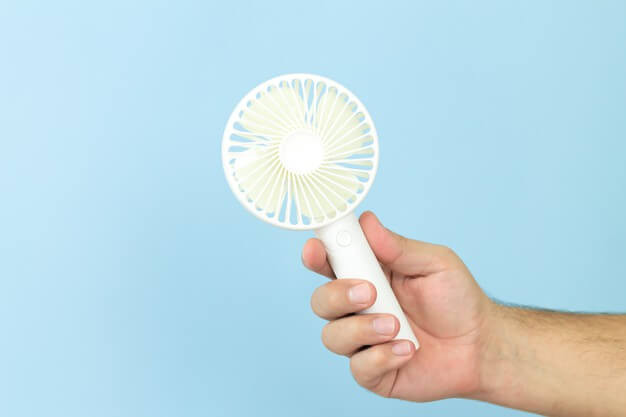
<point>342,297</point>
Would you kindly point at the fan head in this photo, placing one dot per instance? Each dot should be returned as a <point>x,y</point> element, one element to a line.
<point>300,151</point>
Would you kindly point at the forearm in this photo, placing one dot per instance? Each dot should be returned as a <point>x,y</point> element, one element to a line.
<point>555,364</point>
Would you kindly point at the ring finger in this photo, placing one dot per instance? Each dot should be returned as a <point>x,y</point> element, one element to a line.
<point>347,335</point>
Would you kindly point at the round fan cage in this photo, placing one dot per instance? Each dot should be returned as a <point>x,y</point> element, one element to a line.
<point>300,151</point>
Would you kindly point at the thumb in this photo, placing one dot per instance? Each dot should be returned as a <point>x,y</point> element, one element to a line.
<point>406,256</point>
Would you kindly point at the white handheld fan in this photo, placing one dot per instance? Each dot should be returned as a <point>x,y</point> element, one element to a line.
<point>300,151</point>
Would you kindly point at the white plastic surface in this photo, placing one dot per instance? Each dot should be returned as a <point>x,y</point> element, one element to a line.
<point>350,256</point>
<point>300,151</point>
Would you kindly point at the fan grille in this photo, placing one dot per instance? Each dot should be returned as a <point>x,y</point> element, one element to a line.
<point>300,190</point>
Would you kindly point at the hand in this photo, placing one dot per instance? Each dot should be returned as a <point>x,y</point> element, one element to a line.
<point>445,307</point>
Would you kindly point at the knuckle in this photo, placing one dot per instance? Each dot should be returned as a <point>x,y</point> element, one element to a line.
<point>334,298</point>
<point>378,358</point>
<point>326,337</point>
<point>361,331</point>
<point>314,302</point>
<point>443,257</point>
<point>447,252</point>
<point>324,300</point>
<point>356,371</point>
<point>362,374</point>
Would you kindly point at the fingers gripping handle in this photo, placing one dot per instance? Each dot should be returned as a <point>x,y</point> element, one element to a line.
<point>351,257</point>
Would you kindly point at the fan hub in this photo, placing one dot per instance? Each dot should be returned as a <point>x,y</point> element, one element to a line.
<point>301,152</point>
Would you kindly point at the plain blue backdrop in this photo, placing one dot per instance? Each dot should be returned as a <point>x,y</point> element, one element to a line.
<point>133,284</point>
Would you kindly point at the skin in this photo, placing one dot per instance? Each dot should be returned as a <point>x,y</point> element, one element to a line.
<point>546,362</point>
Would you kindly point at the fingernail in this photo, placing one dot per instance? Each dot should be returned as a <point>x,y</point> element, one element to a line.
<point>401,348</point>
<point>359,294</point>
<point>384,325</point>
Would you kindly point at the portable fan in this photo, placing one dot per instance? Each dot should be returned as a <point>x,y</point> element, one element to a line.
<point>300,151</point>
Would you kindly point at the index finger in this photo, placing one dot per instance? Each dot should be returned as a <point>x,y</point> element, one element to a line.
<point>314,258</point>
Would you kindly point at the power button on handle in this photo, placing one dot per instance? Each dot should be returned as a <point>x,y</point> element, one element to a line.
<point>344,238</point>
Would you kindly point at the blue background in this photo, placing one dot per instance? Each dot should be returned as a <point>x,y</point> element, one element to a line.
<point>133,284</point>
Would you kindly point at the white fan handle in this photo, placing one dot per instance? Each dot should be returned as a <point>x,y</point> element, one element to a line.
<point>350,256</point>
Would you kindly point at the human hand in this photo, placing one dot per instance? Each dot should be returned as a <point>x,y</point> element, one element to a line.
<point>444,305</point>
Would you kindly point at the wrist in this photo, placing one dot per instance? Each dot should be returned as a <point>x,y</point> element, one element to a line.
<point>497,352</point>
<point>513,372</point>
